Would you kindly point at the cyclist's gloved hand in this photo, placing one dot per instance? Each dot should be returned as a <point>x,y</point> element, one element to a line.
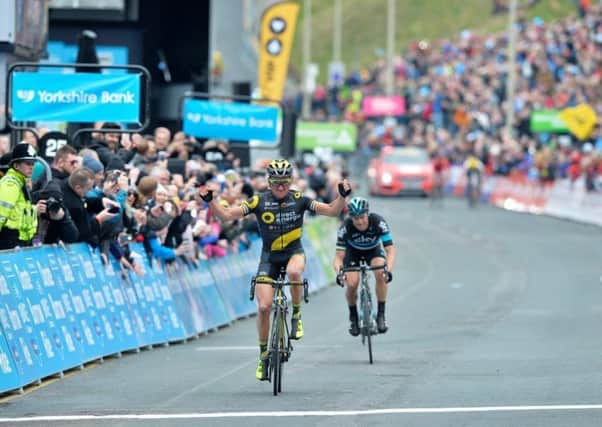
<point>207,197</point>
<point>388,276</point>
<point>344,189</point>
<point>340,279</point>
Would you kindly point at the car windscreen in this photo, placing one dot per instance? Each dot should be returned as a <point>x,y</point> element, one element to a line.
<point>406,158</point>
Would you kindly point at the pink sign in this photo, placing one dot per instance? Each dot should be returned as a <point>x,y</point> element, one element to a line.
<point>383,106</point>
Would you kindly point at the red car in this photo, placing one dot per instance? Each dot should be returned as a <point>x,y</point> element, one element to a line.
<point>399,170</point>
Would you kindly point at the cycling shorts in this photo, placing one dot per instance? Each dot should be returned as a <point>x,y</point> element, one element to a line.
<point>352,257</point>
<point>271,263</point>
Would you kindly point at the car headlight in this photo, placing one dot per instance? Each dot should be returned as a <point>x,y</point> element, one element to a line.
<point>386,178</point>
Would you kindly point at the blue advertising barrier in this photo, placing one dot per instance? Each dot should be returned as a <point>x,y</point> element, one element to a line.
<point>232,285</point>
<point>9,380</point>
<point>231,121</point>
<point>110,300</point>
<point>211,301</point>
<point>85,97</point>
<point>77,277</point>
<point>61,307</point>
<point>17,323</point>
<point>186,294</point>
<point>57,300</point>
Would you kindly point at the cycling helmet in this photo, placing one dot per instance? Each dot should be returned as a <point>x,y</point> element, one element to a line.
<point>357,206</point>
<point>280,169</point>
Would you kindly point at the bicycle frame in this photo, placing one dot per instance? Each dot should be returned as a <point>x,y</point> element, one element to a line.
<point>366,311</point>
<point>280,347</point>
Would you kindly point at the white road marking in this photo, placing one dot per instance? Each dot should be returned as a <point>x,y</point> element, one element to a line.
<point>226,348</point>
<point>254,348</point>
<point>201,415</point>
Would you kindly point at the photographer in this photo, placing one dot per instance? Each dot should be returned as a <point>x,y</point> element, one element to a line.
<point>54,218</point>
<point>114,198</point>
<point>87,213</point>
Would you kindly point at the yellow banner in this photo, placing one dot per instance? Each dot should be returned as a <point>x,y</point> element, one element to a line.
<point>581,120</point>
<point>275,44</point>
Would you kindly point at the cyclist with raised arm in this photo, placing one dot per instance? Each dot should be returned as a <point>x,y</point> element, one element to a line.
<point>279,213</point>
<point>364,235</point>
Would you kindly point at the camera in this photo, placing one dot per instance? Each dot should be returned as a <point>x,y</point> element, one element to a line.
<point>124,239</point>
<point>53,205</point>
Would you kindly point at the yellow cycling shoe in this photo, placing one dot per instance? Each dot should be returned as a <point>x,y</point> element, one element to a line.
<point>296,328</point>
<point>262,369</point>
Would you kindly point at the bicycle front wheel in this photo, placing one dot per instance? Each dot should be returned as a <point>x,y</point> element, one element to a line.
<point>276,359</point>
<point>368,326</point>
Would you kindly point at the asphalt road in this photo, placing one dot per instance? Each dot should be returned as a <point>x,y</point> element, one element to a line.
<point>494,321</point>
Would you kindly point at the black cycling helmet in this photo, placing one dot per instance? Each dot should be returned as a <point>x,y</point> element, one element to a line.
<point>280,169</point>
<point>358,206</point>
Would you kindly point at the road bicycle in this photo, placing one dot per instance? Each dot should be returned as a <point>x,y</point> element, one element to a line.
<point>279,346</point>
<point>367,320</point>
<point>473,189</point>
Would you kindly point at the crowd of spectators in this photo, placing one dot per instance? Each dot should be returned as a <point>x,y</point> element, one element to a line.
<point>456,100</point>
<point>123,188</point>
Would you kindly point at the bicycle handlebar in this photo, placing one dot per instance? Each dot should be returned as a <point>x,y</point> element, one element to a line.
<point>364,268</point>
<point>282,283</point>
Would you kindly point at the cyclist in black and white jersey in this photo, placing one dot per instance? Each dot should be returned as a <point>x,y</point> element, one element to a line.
<point>364,235</point>
<point>279,213</point>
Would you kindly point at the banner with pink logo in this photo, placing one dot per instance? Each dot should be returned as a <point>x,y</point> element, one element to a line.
<point>373,106</point>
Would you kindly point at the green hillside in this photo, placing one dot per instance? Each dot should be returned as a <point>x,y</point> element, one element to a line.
<point>364,25</point>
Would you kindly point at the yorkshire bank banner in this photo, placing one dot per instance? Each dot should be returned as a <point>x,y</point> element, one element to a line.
<point>275,44</point>
<point>85,97</point>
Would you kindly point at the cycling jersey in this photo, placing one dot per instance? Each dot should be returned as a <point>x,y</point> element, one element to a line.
<point>349,237</point>
<point>472,163</point>
<point>280,221</point>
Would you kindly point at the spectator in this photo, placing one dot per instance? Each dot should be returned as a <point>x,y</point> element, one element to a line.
<point>5,163</point>
<point>64,163</point>
<point>107,146</point>
<point>87,213</point>
<point>4,144</point>
<point>97,169</point>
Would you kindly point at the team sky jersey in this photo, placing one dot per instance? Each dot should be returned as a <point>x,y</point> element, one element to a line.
<point>280,221</point>
<point>378,231</point>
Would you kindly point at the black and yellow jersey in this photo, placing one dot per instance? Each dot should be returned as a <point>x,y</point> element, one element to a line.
<point>280,221</point>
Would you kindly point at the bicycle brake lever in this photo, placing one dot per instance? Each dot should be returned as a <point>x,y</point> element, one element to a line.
<point>252,290</point>
<point>305,291</point>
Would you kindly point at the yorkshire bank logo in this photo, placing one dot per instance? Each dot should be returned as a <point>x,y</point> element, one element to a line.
<point>77,97</point>
<point>26,95</point>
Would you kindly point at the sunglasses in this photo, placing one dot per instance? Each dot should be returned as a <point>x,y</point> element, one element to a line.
<point>357,216</point>
<point>280,181</point>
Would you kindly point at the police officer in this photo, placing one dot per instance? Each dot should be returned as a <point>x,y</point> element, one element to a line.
<point>18,216</point>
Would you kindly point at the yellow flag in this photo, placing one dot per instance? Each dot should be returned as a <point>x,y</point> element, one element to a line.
<point>580,120</point>
<point>275,44</point>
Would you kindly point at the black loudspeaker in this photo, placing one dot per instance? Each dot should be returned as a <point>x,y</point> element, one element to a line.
<point>289,130</point>
<point>86,51</point>
<point>86,54</point>
<point>242,151</point>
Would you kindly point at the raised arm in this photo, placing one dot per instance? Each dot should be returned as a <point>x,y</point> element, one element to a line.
<point>336,206</point>
<point>225,214</point>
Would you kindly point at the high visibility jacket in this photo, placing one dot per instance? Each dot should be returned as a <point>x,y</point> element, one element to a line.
<point>18,216</point>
